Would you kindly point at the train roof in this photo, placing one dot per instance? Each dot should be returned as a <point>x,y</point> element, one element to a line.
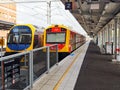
<point>59,25</point>
<point>31,25</point>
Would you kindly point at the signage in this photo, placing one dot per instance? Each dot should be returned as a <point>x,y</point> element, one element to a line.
<point>68,5</point>
<point>56,29</point>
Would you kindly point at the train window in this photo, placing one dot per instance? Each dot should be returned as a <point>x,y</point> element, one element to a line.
<point>21,29</point>
<point>20,34</point>
<point>13,38</point>
<point>16,39</point>
<point>49,30</point>
<point>10,38</point>
<point>55,38</point>
<point>19,38</point>
<point>63,29</point>
<point>25,38</point>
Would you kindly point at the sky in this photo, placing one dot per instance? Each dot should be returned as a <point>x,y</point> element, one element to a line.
<point>39,13</point>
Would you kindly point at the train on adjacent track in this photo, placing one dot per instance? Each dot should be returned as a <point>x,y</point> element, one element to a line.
<point>23,37</point>
<point>66,39</point>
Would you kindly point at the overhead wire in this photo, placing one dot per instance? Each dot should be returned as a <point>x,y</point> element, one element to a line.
<point>35,15</point>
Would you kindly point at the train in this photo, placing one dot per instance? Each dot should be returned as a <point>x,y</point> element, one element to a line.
<point>66,39</point>
<point>28,37</point>
<point>23,37</point>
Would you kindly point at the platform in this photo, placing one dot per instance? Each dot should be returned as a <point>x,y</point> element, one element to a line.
<point>98,72</point>
<point>82,71</point>
<point>66,71</point>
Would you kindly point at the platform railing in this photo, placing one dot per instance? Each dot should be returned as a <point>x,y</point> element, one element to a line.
<point>20,71</point>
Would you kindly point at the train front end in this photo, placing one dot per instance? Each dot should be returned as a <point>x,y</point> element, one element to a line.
<point>55,35</point>
<point>20,38</point>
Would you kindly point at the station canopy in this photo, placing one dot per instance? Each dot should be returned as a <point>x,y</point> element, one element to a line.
<point>5,25</point>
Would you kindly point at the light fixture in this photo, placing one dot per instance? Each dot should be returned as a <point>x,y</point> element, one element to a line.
<point>94,6</point>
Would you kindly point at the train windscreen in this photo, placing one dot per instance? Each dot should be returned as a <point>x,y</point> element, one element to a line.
<point>19,38</point>
<point>55,38</point>
<point>20,34</point>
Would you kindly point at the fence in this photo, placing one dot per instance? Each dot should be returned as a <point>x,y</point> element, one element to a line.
<point>20,71</point>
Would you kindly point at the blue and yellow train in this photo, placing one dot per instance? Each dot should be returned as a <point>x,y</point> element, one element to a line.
<point>23,37</point>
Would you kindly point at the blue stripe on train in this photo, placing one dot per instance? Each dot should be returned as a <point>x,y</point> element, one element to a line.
<point>18,46</point>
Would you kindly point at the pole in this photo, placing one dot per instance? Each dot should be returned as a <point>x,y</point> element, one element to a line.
<point>48,59</point>
<point>2,46</point>
<point>49,12</point>
<point>57,54</point>
<point>2,72</point>
<point>31,69</point>
<point>2,69</point>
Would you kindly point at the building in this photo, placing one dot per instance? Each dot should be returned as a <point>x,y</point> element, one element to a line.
<point>7,18</point>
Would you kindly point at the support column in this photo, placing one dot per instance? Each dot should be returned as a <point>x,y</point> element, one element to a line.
<point>112,36</point>
<point>119,39</point>
<point>105,35</point>
<point>99,39</point>
<point>119,35</point>
<point>102,39</point>
<point>115,21</point>
<point>108,33</point>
